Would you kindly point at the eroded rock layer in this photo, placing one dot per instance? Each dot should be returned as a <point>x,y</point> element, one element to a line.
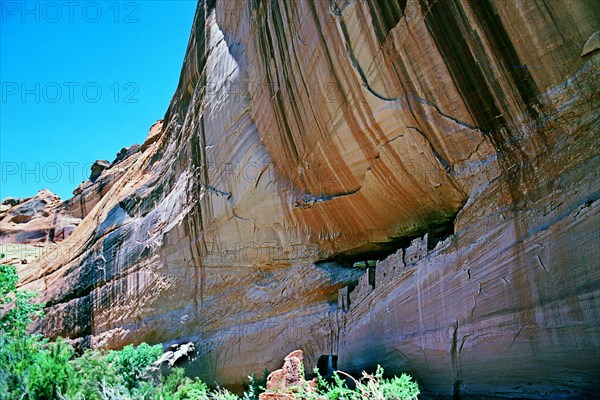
<point>39,219</point>
<point>304,134</point>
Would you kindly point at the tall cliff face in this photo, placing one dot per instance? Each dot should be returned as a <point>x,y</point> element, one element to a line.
<point>306,135</point>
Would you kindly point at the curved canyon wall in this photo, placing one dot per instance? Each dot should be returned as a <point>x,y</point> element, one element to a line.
<point>307,135</point>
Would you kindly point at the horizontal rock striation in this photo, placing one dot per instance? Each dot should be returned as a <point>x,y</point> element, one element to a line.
<point>305,135</point>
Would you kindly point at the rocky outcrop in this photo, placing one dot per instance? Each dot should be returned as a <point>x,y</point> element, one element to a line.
<point>175,353</point>
<point>125,153</point>
<point>38,219</point>
<point>305,136</point>
<point>103,176</point>
<point>283,383</point>
<point>97,168</point>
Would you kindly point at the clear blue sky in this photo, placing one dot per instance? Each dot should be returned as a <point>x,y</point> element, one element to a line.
<point>81,80</point>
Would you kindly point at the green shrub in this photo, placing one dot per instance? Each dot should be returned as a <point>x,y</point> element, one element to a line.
<point>132,362</point>
<point>51,370</point>
<point>373,387</point>
<point>402,387</point>
<point>91,371</point>
<point>177,386</point>
<point>17,356</point>
<point>336,390</point>
<point>19,352</point>
<point>254,386</point>
<point>19,309</point>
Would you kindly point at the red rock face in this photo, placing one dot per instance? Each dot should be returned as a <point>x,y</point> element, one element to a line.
<point>40,219</point>
<point>305,136</point>
<point>283,383</point>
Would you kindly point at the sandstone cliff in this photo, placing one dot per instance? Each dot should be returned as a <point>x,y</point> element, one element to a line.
<point>307,135</point>
<point>38,219</point>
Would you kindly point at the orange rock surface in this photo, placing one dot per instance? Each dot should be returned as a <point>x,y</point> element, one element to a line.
<point>307,135</point>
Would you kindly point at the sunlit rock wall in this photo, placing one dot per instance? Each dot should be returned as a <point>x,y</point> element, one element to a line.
<point>306,133</point>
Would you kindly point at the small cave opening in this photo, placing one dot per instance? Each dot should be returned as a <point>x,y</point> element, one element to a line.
<point>327,365</point>
<point>372,277</point>
<point>439,233</point>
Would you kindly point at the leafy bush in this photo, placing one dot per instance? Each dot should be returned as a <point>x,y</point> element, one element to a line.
<point>176,386</point>
<point>132,363</point>
<point>51,370</point>
<point>255,386</point>
<point>92,370</point>
<point>369,386</point>
<point>402,387</point>
<point>17,306</point>
<point>18,351</point>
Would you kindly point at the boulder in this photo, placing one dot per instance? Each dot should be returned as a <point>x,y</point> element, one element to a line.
<point>285,383</point>
<point>126,152</point>
<point>97,168</point>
